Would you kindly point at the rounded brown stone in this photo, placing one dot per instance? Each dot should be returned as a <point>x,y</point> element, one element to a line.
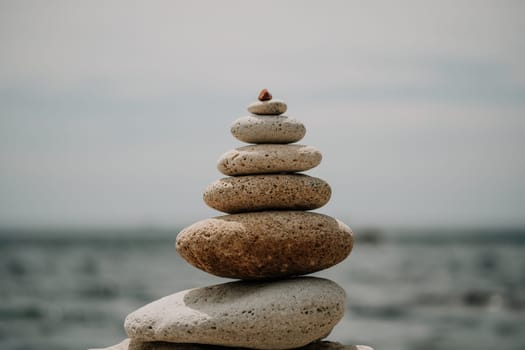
<point>265,95</point>
<point>269,244</point>
<point>267,192</point>
<point>268,158</point>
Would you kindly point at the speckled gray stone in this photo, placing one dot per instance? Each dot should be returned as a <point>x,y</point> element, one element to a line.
<point>267,192</point>
<point>132,344</point>
<point>268,158</point>
<point>267,244</point>
<point>262,315</point>
<point>272,107</point>
<point>268,129</point>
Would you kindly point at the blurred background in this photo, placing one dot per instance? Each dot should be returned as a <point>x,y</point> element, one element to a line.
<point>114,113</point>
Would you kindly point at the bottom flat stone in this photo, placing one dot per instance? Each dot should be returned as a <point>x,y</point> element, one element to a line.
<point>131,344</point>
<point>282,314</point>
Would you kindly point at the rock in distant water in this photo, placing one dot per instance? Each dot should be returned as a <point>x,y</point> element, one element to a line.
<point>268,244</point>
<point>278,315</point>
<point>159,345</point>
<point>267,192</point>
<point>268,158</point>
<point>268,129</point>
<point>270,107</point>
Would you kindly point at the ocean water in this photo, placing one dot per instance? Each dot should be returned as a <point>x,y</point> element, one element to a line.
<point>406,290</point>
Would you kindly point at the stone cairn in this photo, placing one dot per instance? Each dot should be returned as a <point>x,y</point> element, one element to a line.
<point>267,240</point>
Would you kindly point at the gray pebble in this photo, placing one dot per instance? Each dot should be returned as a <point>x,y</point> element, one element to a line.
<point>268,158</point>
<point>272,107</point>
<point>267,192</point>
<point>268,129</point>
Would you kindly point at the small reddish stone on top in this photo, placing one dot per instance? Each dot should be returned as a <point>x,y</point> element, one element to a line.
<point>265,95</point>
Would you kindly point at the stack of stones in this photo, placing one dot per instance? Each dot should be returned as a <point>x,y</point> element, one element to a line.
<point>267,240</point>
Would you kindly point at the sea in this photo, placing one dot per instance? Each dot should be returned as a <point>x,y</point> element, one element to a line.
<point>406,289</point>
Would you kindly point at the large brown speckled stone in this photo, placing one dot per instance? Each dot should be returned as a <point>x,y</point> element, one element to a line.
<point>266,244</point>
<point>132,344</point>
<point>268,158</point>
<point>267,192</point>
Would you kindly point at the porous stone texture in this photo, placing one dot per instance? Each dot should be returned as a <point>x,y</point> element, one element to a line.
<point>271,107</point>
<point>268,244</point>
<point>279,315</point>
<point>268,129</point>
<point>268,158</point>
<point>132,344</point>
<point>267,192</point>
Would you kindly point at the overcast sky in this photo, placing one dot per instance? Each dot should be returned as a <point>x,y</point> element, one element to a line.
<point>114,113</point>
